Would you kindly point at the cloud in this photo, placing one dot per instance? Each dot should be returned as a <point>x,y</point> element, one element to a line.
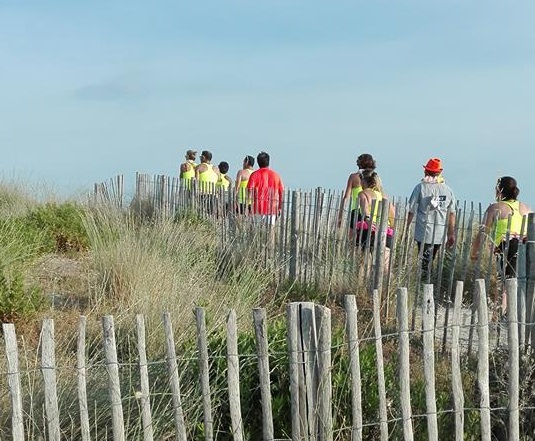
<point>112,90</point>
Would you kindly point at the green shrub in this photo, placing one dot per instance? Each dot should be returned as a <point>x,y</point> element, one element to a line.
<point>16,299</point>
<point>62,225</point>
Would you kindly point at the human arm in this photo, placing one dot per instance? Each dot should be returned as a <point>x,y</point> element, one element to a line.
<point>184,167</point>
<point>251,186</point>
<point>451,229</point>
<point>347,194</point>
<point>483,230</point>
<point>524,209</point>
<point>410,217</point>
<point>391,213</point>
<point>364,204</point>
<point>238,180</point>
<point>199,169</point>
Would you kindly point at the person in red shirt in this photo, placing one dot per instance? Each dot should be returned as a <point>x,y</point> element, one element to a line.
<point>266,189</point>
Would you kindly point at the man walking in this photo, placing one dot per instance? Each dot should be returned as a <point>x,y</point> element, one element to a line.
<point>266,189</point>
<point>206,173</point>
<point>433,204</point>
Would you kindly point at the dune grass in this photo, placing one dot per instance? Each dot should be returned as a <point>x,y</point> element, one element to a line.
<point>63,259</point>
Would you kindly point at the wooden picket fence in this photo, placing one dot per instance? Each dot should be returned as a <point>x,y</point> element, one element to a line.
<point>308,246</point>
<point>309,365</point>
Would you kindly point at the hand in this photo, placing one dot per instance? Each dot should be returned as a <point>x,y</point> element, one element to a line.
<point>474,254</point>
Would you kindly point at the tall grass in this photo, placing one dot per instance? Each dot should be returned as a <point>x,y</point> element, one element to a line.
<point>164,265</point>
<point>130,264</point>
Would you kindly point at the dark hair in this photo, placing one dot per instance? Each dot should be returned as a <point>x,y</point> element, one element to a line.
<point>366,161</point>
<point>249,161</point>
<point>506,185</point>
<point>263,159</point>
<point>207,155</point>
<point>371,179</point>
<point>223,167</point>
<point>431,173</point>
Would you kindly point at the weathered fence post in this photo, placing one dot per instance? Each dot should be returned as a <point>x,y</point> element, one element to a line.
<point>530,279</point>
<point>294,236</point>
<point>354,363</point>
<point>233,375</point>
<point>82,385</point>
<point>294,358</point>
<point>404,362</point>
<point>259,318</point>
<point>380,249</point>
<point>13,380</point>
<point>521,296</point>
<point>146,416</point>
<point>324,393</point>
<point>174,380</point>
<point>514,362</point>
<point>428,325</point>
<point>483,358</point>
<point>204,368</point>
<point>112,367</point>
<point>381,386</point>
<point>48,368</point>
<point>309,337</point>
<point>456,377</point>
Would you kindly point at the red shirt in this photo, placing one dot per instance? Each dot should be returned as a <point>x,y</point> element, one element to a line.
<point>266,189</point>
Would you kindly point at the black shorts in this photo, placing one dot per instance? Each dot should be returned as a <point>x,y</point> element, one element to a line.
<point>509,265</point>
<point>353,218</point>
<point>362,239</point>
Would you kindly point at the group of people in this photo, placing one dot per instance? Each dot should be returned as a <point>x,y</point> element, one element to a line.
<point>258,192</point>
<point>432,207</point>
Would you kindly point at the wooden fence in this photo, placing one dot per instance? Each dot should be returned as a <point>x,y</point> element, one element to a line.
<point>307,245</point>
<point>112,389</point>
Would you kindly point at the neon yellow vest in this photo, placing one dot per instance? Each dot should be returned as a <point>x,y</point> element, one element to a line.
<point>378,198</point>
<point>222,182</point>
<point>208,178</point>
<point>188,175</point>
<point>516,223</point>
<point>242,192</point>
<point>355,197</point>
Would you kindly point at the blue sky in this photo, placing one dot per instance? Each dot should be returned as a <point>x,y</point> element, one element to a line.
<point>93,89</point>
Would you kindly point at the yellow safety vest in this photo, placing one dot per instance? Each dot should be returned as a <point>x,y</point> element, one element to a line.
<point>516,223</point>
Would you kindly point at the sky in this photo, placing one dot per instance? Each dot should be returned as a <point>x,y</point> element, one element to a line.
<point>90,90</point>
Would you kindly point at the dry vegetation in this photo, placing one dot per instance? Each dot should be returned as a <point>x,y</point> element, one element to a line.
<point>63,259</point>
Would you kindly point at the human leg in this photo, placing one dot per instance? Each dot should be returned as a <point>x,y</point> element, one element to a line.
<point>428,254</point>
<point>507,254</point>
